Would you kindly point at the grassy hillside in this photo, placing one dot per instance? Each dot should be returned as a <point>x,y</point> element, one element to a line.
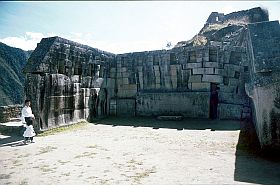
<point>12,61</point>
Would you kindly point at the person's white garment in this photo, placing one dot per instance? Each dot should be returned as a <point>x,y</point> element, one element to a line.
<point>29,132</point>
<point>26,112</point>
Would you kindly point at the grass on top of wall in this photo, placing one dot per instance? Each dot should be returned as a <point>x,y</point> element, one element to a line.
<point>63,128</point>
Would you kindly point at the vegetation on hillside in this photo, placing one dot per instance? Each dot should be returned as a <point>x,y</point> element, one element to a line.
<point>12,61</point>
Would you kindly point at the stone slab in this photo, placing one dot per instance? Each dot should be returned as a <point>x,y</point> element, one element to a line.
<point>195,78</point>
<point>194,65</point>
<point>201,87</point>
<point>202,71</point>
<point>212,78</point>
<point>229,111</point>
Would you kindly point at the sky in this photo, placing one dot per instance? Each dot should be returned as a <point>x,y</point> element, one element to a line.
<point>114,26</point>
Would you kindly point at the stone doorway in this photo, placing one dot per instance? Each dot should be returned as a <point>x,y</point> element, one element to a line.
<point>214,100</point>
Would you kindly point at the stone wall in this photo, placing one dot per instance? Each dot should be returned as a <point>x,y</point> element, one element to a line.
<point>9,112</point>
<point>187,104</point>
<point>67,81</point>
<point>264,85</point>
<point>62,85</point>
<point>185,69</point>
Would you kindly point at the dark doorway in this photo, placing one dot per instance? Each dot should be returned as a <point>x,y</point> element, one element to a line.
<point>214,100</point>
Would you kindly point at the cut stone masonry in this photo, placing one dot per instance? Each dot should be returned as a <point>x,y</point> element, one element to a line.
<point>67,81</point>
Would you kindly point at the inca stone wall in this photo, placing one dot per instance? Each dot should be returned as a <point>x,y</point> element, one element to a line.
<point>9,112</point>
<point>186,72</point>
<point>264,84</point>
<point>68,82</point>
<point>62,85</point>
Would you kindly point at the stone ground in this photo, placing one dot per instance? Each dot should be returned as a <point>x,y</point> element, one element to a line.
<point>136,151</point>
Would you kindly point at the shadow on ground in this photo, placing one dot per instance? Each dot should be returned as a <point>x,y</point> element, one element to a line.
<point>250,157</point>
<point>11,136</point>
<point>191,124</point>
<point>12,140</point>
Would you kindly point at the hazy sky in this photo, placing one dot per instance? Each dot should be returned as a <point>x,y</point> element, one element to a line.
<point>116,27</point>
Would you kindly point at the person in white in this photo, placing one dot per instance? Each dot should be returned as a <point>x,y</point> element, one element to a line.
<point>27,118</point>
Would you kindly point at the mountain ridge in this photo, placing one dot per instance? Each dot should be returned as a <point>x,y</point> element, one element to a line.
<point>12,61</point>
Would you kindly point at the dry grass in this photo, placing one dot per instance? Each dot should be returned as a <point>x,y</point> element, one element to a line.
<point>5,176</point>
<point>141,175</point>
<point>46,168</point>
<point>46,149</point>
<point>72,127</point>
<point>63,162</point>
<point>85,154</point>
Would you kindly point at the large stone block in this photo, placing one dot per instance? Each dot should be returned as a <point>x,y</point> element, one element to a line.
<point>206,58</point>
<point>233,82</point>
<point>75,79</point>
<point>174,82</point>
<point>229,111</point>
<point>125,74</point>
<point>157,73</point>
<point>194,65</point>
<point>140,68</point>
<point>212,78</point>
<point>200,87</point>
<point>125,81</point>
<point>127,90</point>
<point>231,98</point>
<point>156,68</point>
<point>202,71</point>
<point>123,69</point>
<point>187,104</point>
<point>158,80</point>
<point>199,59</point>
<point>125,107</point>
<point>195,78</point>
<point>119,74</point>
<point>112,74</point>
<point>113,70</point>
<point>220,72</point>
<point>211,64</point>
<point>227,88</point>
<point>173,72</point>
<point>120,81</point>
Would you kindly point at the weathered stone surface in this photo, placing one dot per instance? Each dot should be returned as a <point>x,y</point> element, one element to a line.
<point>203,71</point>
<point>126,107</point>
<point>187,104</point>
<point>9,112</point>
<point>195,78</point>
<point>229,111</point>
<point>212,78</point>
<point>211,64</point>
<point>194,65</point>
<point>200,87</point>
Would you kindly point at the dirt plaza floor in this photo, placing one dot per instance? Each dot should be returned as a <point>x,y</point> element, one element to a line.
<point>137,151</point>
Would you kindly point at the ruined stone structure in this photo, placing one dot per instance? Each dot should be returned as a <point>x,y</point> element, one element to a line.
<point>67,81</point>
